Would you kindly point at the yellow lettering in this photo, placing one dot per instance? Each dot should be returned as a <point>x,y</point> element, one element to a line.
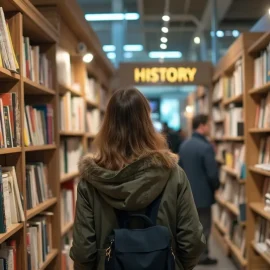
<point>148,75</point>
<point>182,75</point>
<point>154,75</point>
<point>172,75</point>
<point>191,73</point>
<point>162,74</point>
<point>139,75</point>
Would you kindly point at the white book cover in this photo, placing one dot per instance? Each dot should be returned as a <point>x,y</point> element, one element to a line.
<point>6,200</point>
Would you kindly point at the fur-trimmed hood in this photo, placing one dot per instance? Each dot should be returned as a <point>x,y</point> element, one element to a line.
<point>133,187</point>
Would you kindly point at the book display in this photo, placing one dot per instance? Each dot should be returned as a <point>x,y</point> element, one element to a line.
<point>44,128</point>
<point>202,100</point>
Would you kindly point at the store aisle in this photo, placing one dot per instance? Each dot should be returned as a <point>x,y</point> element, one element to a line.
<point>224,263</point>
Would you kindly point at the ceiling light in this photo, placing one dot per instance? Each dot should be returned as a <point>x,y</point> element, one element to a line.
<point>87,58</point>
<point>162,54</point>
<point>269,11</point>
<point>165,29</point>
<point>235,33</point>
<point>164,40</point>
<point>163,46</point>
<point>197,40</point>
<point>189,109</point>
<point>112,17</point>
<point>220,33</point>
<point>133,48</point>
<point>108,48</point>
<point>128,55</point>
<point>111,55</point>
<point>165,18</point>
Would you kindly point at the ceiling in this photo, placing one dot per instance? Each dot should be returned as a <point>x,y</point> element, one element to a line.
<point>189,18</point>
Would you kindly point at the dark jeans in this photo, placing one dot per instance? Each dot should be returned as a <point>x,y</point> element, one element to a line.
<point>205,216</point>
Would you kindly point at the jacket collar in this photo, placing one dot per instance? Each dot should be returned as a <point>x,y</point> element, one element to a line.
<point>199,136</point>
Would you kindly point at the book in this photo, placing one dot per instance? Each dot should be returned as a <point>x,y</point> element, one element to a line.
<point>64,72</point>
<point>93,121</point>
<point>262,234</point>
<point>67,203</point>
<point>234,121</point>
<point>218,91</point>
<point>264,153</point>
<point>39,129</point>
<point>67,263</point>
<point>92,90</point>
<point>37,185</point>
<point>262,119</point>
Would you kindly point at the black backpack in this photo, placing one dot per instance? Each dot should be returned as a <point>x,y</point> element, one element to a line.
<point>140,249</point>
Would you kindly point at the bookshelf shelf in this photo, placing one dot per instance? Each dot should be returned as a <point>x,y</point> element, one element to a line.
<point>220,200</point>
<point>40,208</point>
<point>68,177</point>
<point>217,122</point>
<point>233,208</point>
<point>72,133</point>
<point>10,232</point>
<point>236,252</point>
<point>264,255</point>
<point>258,207</point>
<point>220,227</point>
<point>259,171</point>
<point>66,228</point>
<point>50,257</point>
<point>92,104</point>
<point>236,99</point>
<point>40,147</point>
<point>230,171</point>
<point>217,101</point>
<point>259,130</point>
<point>236,139</point>
<point>90,135</point>
<point>260,43</point>
<point>5,151</point>
<point>220,160</point>
<point>260,90</point>
<point>8,75</point>
<point>64,89</point>
<point>33,88</point>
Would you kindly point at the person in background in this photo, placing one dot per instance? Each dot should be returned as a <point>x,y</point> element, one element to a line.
<point>197,158</point>
<point>132,168</point>
<point>182,137</point>
<point>172,137</point>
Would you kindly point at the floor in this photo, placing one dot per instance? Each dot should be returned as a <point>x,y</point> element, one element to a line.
<point>224,263</point>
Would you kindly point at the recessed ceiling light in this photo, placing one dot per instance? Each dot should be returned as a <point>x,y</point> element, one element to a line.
<point>128,55</point>
<point>108,48</point>
<point>163,46</point>
<point>87,58</point>
<point>133,48</point>
<point>164,40</point>
<point>111,55</point>
<point>220,33</point>
<point>235,33</point>
<point>165,54</point>
<point>197,40</point>
<point>166,18</point>
<point>165,29</point>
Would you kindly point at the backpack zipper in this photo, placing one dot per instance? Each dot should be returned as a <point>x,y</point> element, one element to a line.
<point>109,250</point>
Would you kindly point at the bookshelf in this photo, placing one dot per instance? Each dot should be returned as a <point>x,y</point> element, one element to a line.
<point>37,147</point>
<point>231,122</point>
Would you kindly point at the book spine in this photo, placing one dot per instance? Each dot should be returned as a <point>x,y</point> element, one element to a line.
<point>7,126</point>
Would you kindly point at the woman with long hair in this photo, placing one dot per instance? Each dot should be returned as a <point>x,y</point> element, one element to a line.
<point>131,168</point>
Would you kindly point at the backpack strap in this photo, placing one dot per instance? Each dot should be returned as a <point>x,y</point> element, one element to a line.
<point>152,209</point>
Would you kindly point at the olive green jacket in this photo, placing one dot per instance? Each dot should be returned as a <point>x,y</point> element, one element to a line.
<point>133,189</point>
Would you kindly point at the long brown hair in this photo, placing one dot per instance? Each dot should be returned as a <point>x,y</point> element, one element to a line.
<point>127,132</point>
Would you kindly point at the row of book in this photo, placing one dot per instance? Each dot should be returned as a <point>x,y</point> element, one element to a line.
<point>217,114</point>
<point>67,263</point>
<point>262,68</point>
<point>36,65</point>
<point>266,193</point>
<point>39,240</point>
<point>8,58</point>
<point>234,121</point>
<point>92,90</point>
<point>262,235</point>
<point>9,120</point>
<point>11,205</point>
<point>202,105</point>
<point>218,91</point>
<point>8,255</point>
<point>38,125</point>
<point>72,113</point>
<point>37,186</point>
<point>264,154</point>
<point>93,121</point>
<point>71,150</point>
<point>104,99</point>
<point>262,119</point>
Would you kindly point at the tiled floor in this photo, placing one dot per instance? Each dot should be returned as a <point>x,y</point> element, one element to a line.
<point>224,263</point>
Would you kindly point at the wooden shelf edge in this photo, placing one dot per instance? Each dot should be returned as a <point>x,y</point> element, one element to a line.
<point>91,103</point>
<point>64,89</point>
<point>259,171</point>
<point>7,74</point>
<point>260,44</point>
<point>37,88</point>
<point>258,208</point>
<point>40,208</point>
<point>220,160</point>
<point>262,254</point>
<point>11,231</point>
<point>260,90</point>
<point>66,228</point>
<point>40,147</point>
<point>220,227</point>
<point>68,177</point>
<point>238,138</point>
<point>235,99</point>
<point>50,257</point>
<point>5,151</point>
<point>236,252</point>
<point>90,135</point>
<point>230,171</point>
<point>72,133</point>
<point>259,130</point>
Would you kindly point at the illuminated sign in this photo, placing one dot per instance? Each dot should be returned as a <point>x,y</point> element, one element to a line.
<point>165,74</point>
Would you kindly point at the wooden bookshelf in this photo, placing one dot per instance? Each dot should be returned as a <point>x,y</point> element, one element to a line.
<point>235,99</point>
<point>5,151</point>
<point>260,90</point>
<point>236,252</point>
<point>259,130</point>
<point>258,208</point>
<point>259,171</point>
<point>71,133</point>
<point>68,177</point>
<point>34,88</point>
<point>8,75</point>
<point>66,228</point>
<point>14,228</point>
<point>40,147</point>
<point>264,255</point>
<point>50,257</point>
<point>220,227</point>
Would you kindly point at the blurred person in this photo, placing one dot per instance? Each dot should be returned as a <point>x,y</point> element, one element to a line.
<point>132,169</point>
<point>172,137</point>
<point>197,158</point>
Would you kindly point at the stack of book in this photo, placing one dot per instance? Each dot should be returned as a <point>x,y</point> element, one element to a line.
<point>72,113</point>
<point>67,263</point>
<point>38,125</point>
<point>218,91</point>
<point>37,187</point>
<point>92,90</point>
<point>71,150</point>
<point>36,65</point>
<point>10,134</point>
<point>11,200</point>
<point>93,121</point>
<point>261,71</point>
<point>262,119</point>
<point>8,255</point>
<point>67,203</point>
<point>234,121</point>
<point>39,240</point>
<point>7,54</point>
<point>264,154</point>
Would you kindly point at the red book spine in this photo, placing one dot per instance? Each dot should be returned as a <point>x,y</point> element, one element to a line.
<point>12,244</point>
<point>7,101</point>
